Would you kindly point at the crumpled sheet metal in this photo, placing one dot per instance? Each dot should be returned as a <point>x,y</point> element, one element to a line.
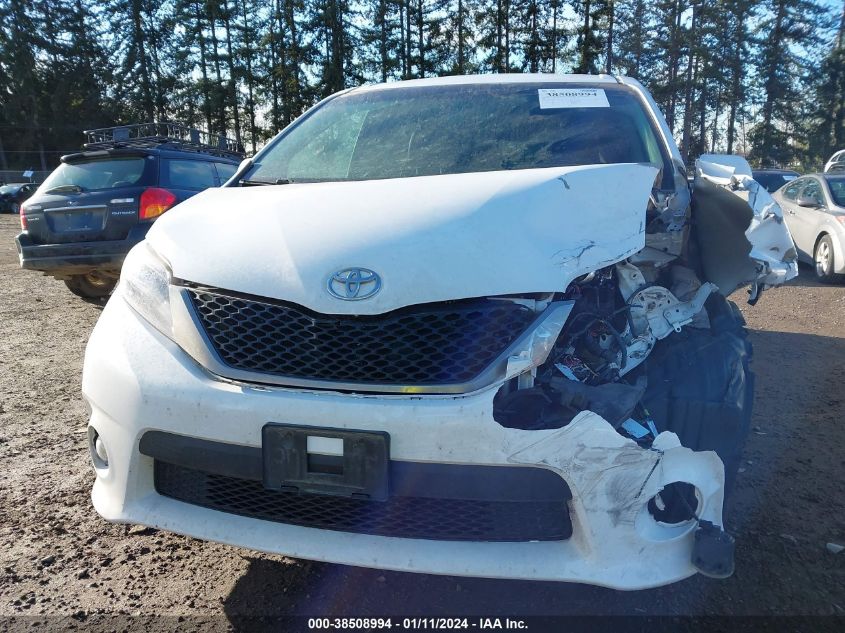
<point>772,247</point>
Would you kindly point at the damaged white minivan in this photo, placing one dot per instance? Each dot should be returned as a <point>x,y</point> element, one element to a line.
<point>465,325</point>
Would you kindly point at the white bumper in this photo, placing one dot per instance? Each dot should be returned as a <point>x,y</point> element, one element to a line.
<point>136,380</point>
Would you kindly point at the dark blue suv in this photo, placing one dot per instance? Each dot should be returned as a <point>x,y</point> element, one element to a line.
<point>86,216</point>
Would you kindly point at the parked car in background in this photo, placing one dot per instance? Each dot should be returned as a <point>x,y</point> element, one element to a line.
<point>774,179</point>
<point>86,216</point>
<point>814,210</point>
<point>13,195</point>
<point>449,325</point>
<point>836,162</point>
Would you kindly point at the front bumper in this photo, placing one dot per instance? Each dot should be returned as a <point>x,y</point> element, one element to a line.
<point>77,258</point>
<point>137,381</point>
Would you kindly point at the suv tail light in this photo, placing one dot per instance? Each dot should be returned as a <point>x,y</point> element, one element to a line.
<point>22,212</point>
<point>155,201</point>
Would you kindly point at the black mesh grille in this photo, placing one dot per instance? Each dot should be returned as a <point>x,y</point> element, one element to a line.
<point>407,517</point>
<point>426,345</point>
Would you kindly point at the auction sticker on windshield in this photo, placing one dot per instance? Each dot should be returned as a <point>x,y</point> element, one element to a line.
<point>572,98</point>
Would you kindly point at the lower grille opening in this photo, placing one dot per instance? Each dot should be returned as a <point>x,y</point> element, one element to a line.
<point>444,519</point>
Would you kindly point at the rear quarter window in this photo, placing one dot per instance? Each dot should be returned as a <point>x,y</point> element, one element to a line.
<point>181,173</point>
<point>225,171</point>
<point>837,190</point>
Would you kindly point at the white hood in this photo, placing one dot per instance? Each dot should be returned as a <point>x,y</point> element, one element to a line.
<point>429,238</point>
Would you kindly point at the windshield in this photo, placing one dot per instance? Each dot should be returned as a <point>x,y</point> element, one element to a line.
<point>837,189</point>
<point>97,174</point>
<point>423,131</point>
<point>10,188</point>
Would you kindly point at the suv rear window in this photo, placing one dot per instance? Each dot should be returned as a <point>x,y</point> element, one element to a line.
<point>187,174</point>
<point>97,174</point>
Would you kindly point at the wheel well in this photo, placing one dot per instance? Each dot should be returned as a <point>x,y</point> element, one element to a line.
<point>818,239</point>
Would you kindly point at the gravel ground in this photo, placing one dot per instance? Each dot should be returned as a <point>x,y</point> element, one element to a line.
<point>58,558</point>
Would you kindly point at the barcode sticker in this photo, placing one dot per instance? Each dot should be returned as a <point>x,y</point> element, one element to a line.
<point>572,98</point>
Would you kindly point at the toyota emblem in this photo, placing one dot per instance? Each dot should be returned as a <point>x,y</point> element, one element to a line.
<point>353,284</point>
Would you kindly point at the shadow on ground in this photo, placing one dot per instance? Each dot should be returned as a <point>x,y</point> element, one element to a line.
<point>807,278</point>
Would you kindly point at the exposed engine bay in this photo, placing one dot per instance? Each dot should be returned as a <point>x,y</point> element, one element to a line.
<point>651,343</point>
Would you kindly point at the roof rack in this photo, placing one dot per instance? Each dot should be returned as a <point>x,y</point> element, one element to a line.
<point>165,134</point>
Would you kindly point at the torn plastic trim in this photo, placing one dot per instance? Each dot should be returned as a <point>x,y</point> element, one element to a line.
<point>730,201</point>
<point>613,479</point>
<point>533,349</point>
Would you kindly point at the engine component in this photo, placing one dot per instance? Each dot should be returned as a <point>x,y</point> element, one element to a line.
<point>656,309</point>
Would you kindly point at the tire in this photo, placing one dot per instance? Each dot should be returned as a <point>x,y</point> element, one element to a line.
<point>15,208</point>
<point>91,286</point>
<point>823,262</point>
<point>700,386</point>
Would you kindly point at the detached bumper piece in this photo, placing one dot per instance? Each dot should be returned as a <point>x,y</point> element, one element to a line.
<point>427,501</point>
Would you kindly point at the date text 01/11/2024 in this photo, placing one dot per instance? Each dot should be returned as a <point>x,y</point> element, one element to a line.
<point>417,623</point>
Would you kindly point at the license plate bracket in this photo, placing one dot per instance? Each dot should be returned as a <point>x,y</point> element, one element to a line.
<point>308,459</point>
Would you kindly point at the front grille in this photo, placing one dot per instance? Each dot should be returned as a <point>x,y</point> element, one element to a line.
<point>405,517</point>
<point>424,345</point>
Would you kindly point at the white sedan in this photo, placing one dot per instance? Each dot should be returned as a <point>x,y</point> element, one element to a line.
<point>814,209</point>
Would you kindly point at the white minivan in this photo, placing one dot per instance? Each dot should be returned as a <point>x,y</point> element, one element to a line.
<point>463,325</point>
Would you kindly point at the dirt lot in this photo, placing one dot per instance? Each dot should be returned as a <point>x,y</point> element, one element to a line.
<point>57,557</point>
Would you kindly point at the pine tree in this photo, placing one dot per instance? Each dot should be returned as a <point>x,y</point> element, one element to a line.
<point>786,35</point>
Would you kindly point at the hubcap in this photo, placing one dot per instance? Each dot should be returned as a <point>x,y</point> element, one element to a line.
<point>822,259</point>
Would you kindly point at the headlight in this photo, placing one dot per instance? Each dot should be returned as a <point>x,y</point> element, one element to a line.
<point>145,284</point>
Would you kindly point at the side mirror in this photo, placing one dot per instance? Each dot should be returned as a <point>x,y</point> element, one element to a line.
<point>807,201</point>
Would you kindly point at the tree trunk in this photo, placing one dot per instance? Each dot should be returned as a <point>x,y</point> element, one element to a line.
<point>554,36</point>
<point>206,103</point>
<point>771,67</point>
<point>382,45</point>
<point>222,123</point>
<point>406,73</point>
<point>691,62</point>
<point>275,113</point>
<point>611,16</point>
<point>420,27</point>
<point>250,78</point>
<point>138,37</point>
<point>460,37</point>
<point>233,88</point>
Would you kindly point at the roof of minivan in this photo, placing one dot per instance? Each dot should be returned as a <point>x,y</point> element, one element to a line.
<point>499,78</point>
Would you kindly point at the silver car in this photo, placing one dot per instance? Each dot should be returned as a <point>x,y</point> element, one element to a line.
<point>814,209</point>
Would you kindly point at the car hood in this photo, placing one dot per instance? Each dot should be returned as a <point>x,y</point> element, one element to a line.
<point>431,238</point>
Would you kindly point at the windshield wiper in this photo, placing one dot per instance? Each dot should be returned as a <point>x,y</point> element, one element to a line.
<point>66,188</point>
<point>257,183</point>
